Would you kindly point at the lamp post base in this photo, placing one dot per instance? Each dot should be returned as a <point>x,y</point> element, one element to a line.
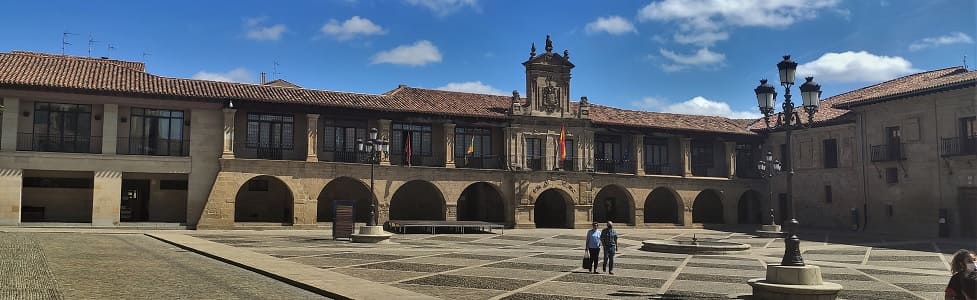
<point>793,282</point>
<point>371,234</point>
<point>769,231</point>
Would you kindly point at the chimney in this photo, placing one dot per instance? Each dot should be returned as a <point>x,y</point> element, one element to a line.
<point>262,78</point>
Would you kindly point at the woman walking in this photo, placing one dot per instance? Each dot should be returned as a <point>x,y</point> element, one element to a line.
<point>608,238</point>
<point>962,267</point>
<point>593,247</point>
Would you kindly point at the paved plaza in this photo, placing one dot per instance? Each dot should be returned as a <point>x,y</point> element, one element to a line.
<point>520,264</point>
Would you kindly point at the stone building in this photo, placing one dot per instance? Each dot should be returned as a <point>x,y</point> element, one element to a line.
<point>896,157</point>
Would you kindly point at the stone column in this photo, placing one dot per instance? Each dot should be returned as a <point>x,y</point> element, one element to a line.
<point>730,159</point>
<point>228,133</point>
<point>512,151</point>
<point>11,117</point>
<point>384,131</point>
<point>11,183</point>
<point>638,154</point>
<point>110,128</point>
<point>449,145</point>
<point>106,198</point>
<point>312,128</point>
<point>685,149</point>
<point>207,128</point>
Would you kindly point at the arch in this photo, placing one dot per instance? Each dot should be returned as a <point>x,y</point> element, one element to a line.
<point>748,208</point>
<point>264,198</point>
<point>344,188</point>
<point>708,207</point>
<point>481,201</point>
<point>663,205</point>
<point>553,209</point>
<point>613,203</point>
<point>417,200</point>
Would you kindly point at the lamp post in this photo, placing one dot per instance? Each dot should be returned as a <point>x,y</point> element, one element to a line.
<point>769,167</point>
<point>788,118</point>
<point>374,148</point>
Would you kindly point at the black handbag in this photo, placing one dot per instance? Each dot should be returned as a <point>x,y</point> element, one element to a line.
<point>587,262</point>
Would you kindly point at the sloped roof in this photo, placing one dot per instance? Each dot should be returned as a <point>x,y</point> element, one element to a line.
<point>282,83</point>
<point>28,70</point>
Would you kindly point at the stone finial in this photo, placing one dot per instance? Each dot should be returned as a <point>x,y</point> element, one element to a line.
<point>532,51</point>
<point>515,96</point>
<point>566,54</point>
<point>549,44</point>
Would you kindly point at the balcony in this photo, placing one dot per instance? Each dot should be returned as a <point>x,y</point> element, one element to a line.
<point>888,152</point>
<point>659,169</point>
<point>265,151</point>
<point>155,147</point>
<point>534,163</point>
<point>347,157</point>
<point>958,146</point>
<point>493,162</point>
<point>613,166</point>
<point>59,143</point>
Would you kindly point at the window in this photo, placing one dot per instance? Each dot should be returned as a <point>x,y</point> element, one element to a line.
<point>830,153</point>
<point>482,138</point>
<point>607,147</point>
<point>891,175</point>
<point>180,185</point>
<point>534,153</point>
<point>888,210</point>
<point>746,161</point>
<point>341,135</point>
<point>156,132</point>
<point>827,194</point>
<point>968,127</point>
<point>656,156</point>
<point>62,127</point>
<point>571,153</point>
<point>420,139</point>
<point>702,154</point>
<point>268,130</point>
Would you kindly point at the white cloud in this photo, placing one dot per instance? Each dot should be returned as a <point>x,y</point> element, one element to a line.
<point>712,18</point>
<point>949,39</point>
<point>856,67</point>
<point>701,58</point>
<point>235,75</point>
<point>420,53</point>
<point>476,87</point>
<point>444,7</point>
<point>255,29</point>
<point>698,105</point>
<point>614,25</point>
<point>351,28</point>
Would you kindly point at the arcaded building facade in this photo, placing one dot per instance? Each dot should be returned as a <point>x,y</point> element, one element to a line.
<point>102,142</point>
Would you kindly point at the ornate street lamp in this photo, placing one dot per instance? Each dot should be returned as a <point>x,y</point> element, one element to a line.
<point>769,167</point>
<point>374,149</point>
<point>766,97</point>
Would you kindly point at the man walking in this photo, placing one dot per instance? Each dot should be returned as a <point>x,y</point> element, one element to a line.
<point>593,247</point>
<point>608,239</point>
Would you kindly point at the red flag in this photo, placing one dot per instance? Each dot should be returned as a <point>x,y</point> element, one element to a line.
<point>563,143</point>
<point>408,152</point>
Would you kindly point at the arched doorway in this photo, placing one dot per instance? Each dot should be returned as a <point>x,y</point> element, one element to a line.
<point>661,206</point>
<point>748,208</point>
<point>263,199</point>
<point>417,200</point>
<point>613,203</point>
<point>344,188</point>
<point>708,208</point>
<point>481,201</point>
<point>553,209</point>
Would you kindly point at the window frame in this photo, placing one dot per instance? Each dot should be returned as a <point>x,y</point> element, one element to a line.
<point>829,158</point>
<point>423,148</point>
<point>286,130</point>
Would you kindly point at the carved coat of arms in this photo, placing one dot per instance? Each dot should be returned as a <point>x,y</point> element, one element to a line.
<point>550,102</point>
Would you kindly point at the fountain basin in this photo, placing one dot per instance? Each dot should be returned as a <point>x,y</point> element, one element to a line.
<point>693,247</point>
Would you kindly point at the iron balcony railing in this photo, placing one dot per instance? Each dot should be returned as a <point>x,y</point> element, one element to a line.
<point>888,152</point>
<point>613,166</point>
<point>659,169</point>
<point>479,162</point>
<point>957,146</point>
<point>348,156</point>
<point>267,151</point>
<point>157,147</point>
<point>534,163</point>
<point>59,143</point>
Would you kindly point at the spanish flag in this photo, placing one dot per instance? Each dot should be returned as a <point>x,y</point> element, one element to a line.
<point>563,143</point>
<point>470,151</point>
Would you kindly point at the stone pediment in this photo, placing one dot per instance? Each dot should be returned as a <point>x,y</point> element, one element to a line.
<point>552,59</point>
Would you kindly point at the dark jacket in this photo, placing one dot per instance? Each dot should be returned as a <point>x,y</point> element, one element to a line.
<point>608,237</point>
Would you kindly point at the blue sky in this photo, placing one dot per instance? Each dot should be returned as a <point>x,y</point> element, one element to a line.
<point>700,57</point>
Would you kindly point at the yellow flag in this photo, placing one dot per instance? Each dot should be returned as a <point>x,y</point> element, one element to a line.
<point>471,147</point>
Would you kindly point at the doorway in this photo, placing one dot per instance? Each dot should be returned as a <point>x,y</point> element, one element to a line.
<point>135,200</point>
<point>968,212</point>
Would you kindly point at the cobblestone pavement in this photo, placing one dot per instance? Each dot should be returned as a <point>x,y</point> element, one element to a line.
<point>122,266</point>
<point>545,263</point>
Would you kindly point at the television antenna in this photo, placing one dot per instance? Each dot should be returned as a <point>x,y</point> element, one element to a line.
<point>274,70</point>
<point>144,55</point>
<point>108,50</point>
<point>64,40</point>
<point>91,44</point>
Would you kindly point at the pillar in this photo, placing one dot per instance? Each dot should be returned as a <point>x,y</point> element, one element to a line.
<point>228,133</point>
<point>685,148</point>
<point>638,150</point>
<point>730,159</point>
<point>11,117</point>
<point>449,145</point>
<point>383,131</point>
<point>312,128</point>
<point>11,183</point>
<point>512,147</point>
<point>110,128</point>
<point>207,128</point>
<point>106,198</point>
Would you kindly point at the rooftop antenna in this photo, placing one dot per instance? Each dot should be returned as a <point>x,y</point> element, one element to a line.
<point>91,44</point>
<point>144,55</point>
<point>274,70</point>
<point>64,40</point>
<point>965,63</point>
<point>108,50</point>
